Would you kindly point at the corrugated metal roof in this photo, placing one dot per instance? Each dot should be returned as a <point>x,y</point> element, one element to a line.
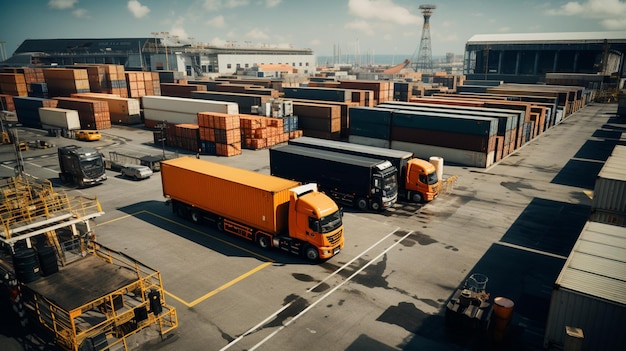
<point>597,264</point>
<point>520,38</point>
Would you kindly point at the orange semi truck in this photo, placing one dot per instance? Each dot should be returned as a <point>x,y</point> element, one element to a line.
<point>271,211</point>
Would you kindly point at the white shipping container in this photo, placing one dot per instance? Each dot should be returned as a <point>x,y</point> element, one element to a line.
<point>170,116</point>
<point>609,193</point>
<point>589,293</point>
<point>185,105</point>
<point>462,157</point>
<point>52,117</point>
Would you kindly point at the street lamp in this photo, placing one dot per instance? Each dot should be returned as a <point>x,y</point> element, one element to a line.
<point>167,61</point>
<point>156,46</point>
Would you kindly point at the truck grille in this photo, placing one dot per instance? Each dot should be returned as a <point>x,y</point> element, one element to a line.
<point>334,239</point>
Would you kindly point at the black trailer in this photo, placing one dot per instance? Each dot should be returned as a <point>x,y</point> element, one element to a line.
<point>357,181</point>
<point>398,158</point>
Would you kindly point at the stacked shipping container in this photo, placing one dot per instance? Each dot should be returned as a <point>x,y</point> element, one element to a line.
<point>93,114</point>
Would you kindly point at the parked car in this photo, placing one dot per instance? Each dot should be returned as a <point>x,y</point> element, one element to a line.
<point>136,171</point>
<point>88,135</point>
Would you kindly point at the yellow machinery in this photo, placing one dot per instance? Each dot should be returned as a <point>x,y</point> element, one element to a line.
<point>95,298</point>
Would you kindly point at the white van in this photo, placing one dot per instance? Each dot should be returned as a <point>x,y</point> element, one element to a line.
<point>136,171</point>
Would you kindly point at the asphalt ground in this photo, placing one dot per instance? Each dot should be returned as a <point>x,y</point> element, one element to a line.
<point>515,223</point>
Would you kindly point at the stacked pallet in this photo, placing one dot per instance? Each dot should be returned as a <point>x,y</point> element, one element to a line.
<point>259,132</point>
<point>180,89</point>
<point>383,90</point>
<point>66,81</point>
<point>31,74</point>
<point>27,109</point>
<point>121,110</point>
<point>13,84</point>
<point>96,75</point>
<point>319,120</point>
<point>114,80</point>
<point>183,136</point>
<point>6,102</point>
<point>157,109</point>
<point>221,129</point>
<point>93,114</point>
<point>142,84</point>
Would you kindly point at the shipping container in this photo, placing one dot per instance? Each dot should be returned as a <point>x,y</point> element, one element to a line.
<point>589,292</point>
<point>244,101</point>
<point>268,210</point>
<point>59,118</point>
<point>609,193</point>
<point>27,109</point>
<point>451,155</point>
<point>325,94</point>
<point>362,182</point>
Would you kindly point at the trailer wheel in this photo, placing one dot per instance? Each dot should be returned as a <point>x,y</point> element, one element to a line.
<point>195,216</point>
<point>361,204</point>
<point>263,241</point>
<point>416,197</point>
<point>220,224</point>
<point>311,253</point>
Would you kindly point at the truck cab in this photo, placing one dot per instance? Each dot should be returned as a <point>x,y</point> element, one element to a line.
<point>421,183</point>
<point>316,219</point>
<point>81,165</point>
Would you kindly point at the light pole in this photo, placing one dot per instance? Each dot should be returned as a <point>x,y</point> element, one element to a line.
<point>167,61</point>
<point>156,46</point>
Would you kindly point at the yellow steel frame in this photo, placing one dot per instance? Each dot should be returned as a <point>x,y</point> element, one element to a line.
<point>70,333</point>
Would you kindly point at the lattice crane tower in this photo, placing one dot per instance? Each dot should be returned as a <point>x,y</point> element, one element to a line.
<point>423,61</point>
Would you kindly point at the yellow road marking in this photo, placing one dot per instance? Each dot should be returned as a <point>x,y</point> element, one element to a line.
<point>215,291</point>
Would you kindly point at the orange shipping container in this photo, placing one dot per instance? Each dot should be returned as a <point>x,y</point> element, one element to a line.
<point>254,199</point>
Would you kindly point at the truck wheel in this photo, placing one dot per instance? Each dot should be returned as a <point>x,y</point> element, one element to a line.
<point>220,225</point>
<point>311,253</point>
<point>264,241</point>
<point>375,206</point>
<point>361,204</point>
<point>195,216</point>
<point>416,197</point>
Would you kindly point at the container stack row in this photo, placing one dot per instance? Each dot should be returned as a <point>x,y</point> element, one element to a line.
<point>473,129</point>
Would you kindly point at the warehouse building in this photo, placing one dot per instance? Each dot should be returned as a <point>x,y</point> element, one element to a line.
<point>527,58</point>
<point>153,54</point>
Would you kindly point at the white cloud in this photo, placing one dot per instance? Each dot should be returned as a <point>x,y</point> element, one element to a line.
<point>362,26</point>
<point>504,29</point>
<point>215,5</point>
<point>272,3</point>
<point>62,4</point>
<point>315,42</point>
<point>137,9</point>
<point>256,34</point>
<point>615,23</point>
<point>383,10</point>
<point>217,42</point>
<point>81,13</point>
<point>612,10</point>
<point>217,21</point>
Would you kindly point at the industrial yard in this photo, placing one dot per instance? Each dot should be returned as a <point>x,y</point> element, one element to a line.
<point>216,205</point>
<point>514,222</point>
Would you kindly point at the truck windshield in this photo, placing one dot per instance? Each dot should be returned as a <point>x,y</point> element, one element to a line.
<point>390,185</point>
<point>91,163</point>
<point>326,224</point>
<point>432,178</point>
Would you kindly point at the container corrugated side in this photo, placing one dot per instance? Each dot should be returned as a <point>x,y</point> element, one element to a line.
<point>461,157</point>
<point>255,199</point>
<point>589,291</point>
<point>59,117</point>
<point>362,140</point>
<point>445,122</point>
<point>609,193</point>
<point>188,105</point>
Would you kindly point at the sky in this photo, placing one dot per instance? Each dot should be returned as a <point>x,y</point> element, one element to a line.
<point>355,27</point>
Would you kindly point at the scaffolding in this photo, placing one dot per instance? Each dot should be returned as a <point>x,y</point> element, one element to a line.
<point>93,298</point>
